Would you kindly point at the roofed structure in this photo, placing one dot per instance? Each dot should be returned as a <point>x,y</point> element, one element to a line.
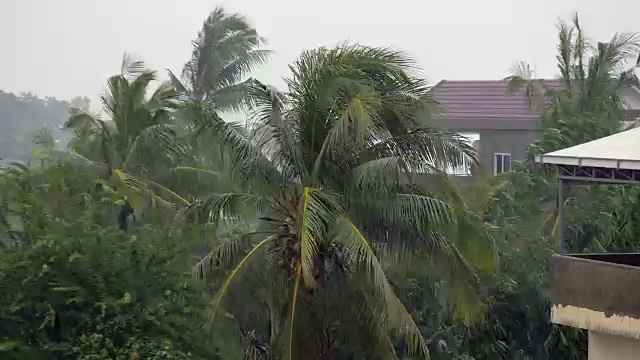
<point>618,151</point>
<point>612,159</point>
<point>485,104</point>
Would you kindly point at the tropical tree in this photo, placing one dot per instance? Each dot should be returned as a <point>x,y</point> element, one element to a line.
<point>345,182</point>
<point>70,299</point>
<point>135,125</point>
<point>592,78</point>
<point>137,138</point>
<point>226,50</point>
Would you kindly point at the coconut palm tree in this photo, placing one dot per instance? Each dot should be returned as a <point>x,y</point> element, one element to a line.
<point>135,122</point>
<point>592,77</point>
<point>226,50</point>
<point>137,136</point>
<point>345,182</point>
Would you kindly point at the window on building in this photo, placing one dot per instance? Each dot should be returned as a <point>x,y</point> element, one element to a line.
<point>501,163</point>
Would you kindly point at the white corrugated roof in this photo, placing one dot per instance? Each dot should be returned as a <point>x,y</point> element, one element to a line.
<point>617,151</point>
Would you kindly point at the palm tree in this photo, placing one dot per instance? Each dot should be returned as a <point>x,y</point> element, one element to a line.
<point>135,122</point>
<point>138,135</point>
<point>591,77</point>
<point>226,50</point>
<point>345,182</point>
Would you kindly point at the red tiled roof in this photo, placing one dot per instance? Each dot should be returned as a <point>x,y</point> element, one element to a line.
<point>483,100</point>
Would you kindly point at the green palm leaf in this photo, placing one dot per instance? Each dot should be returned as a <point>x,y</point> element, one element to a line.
<point>235,272</point>
<point>362,256</point>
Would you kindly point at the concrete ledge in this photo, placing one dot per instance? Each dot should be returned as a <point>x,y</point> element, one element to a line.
<point>596,321</point>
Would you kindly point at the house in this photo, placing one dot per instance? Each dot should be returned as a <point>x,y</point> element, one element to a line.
<point>499,123</point>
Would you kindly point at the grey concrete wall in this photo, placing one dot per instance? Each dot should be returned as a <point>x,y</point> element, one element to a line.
<point>499,136</point>
<point>514,142</point>
<point>511,141</point>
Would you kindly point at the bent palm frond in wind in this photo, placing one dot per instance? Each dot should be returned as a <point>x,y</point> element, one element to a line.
<point>340,171</point>
<point>226,50</point>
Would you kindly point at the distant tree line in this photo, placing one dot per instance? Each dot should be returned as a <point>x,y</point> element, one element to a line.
<point>22,114</point>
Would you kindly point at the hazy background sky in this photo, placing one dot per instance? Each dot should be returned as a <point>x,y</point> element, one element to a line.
<point>65,48</point>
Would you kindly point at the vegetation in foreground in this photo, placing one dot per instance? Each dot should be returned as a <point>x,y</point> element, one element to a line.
<point>325,228</point>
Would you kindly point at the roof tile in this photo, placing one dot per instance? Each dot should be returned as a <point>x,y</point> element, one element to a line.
<point>484,99</point>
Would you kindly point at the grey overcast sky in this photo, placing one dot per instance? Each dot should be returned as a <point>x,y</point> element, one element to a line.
<point>65,48</point>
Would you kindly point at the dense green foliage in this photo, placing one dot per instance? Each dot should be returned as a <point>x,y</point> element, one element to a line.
<point>164,232</point>
<point>75,287</point>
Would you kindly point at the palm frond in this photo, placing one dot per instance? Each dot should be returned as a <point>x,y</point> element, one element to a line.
<point>176,82</point>
<point>229,206</point>
<point>235,272</point>
<point>79,118</point>
<point>244,158</point>
<point>131,67</point>
<point>425,150</point>
<point>225,51</point>
<point>150,141</point>
<point>274,132</point>
<point>93,137</point>
<point>377,178</point>
<point>318,208</point>
<point>113,98</point>
<point>362,257</point>
<point>196,170</point>
<point>368,317</point>
<point>565,52</point>
<point>235,70</point>
<point>226,254</point>
<point>137,87</point>
<point>164,97</point>
<point>232,98</point>
<point>419,211</point>
<point>355,121</point>
<point>140,189</point>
